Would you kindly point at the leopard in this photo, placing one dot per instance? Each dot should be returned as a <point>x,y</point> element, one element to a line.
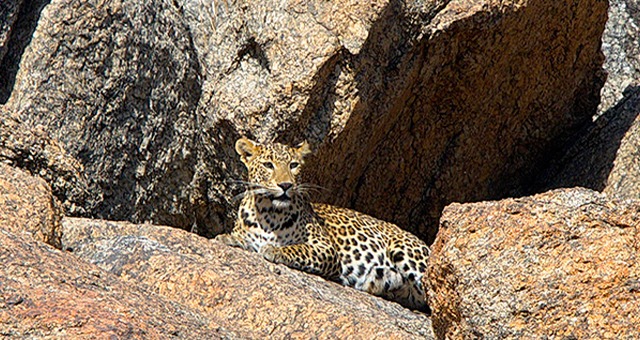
<point>277,219</point>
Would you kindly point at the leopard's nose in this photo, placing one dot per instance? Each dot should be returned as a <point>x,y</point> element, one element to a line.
<point>285,186</point>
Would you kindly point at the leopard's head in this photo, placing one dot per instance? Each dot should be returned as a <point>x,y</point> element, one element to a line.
<point>273,169</point>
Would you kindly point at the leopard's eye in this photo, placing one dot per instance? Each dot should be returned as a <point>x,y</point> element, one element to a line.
<point>268,165</point>
<point>294,165</point>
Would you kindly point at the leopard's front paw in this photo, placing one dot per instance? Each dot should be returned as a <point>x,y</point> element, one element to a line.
<point>271,253</point>
<point>227,239</point>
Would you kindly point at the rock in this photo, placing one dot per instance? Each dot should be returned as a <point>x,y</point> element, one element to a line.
<point>562,264</point>
<point>459,115</point>
<point>116,83</point>
<point>260,299</point>
<point>26,205</point>
<point>48,294</point>
<point>621,47</point>
<point>411,105</point>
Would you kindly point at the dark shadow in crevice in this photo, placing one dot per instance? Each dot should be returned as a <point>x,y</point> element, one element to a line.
<point>21,34</point>
<point>588,161</point>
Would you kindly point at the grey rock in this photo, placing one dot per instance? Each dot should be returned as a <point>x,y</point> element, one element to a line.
<point>18,20</point>
<point>605,157</point>
<point>621,47</point>
<point>116,83</point>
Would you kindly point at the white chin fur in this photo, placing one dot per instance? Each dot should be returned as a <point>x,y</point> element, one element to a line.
<point>281,204</point>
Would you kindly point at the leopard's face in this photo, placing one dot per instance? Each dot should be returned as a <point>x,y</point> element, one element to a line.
<point>272,169</point>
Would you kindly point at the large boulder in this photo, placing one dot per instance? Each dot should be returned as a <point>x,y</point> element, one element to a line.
<point>468,110</point>
<point>410,105</point>
<point>240,289</point>
<point>49,294</point>
<point>46,293</point>
<point>116,83</point>
<point>563,264</point>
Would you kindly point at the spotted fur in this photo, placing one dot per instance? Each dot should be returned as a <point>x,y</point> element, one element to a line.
<point>357,250</point>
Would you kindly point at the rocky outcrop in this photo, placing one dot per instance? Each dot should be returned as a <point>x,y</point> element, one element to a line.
<point>261,300</point>
<point>18,20</point>
<point>411,105</point>
<point>116,83</point>
<point>48,294</point>
<point>605,156</point>
<point>485,101</point>
<point>8,15</point>
<point>562,264</point>
<point>33,149</point>
<point>150,282</point>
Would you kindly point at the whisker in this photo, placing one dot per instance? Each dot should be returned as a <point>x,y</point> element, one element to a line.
<point>245,183</point>
<point>310,185</point>
<point>258,191</point>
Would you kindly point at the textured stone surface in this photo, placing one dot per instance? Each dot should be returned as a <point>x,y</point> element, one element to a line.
<point>468,111</point>
<point>8,14</point>
<point>411,105</point>
<point>621,47</point>
<point>261,300</point>
<point>26,205</point>
<point>562,265</point>
<point>48,294</point>
<point>116,83</point>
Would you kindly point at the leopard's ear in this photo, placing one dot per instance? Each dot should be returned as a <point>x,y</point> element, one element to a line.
<point>303,149</point>
<point>246,148</point>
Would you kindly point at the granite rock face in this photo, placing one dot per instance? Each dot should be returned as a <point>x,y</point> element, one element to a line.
<point>563,264</point>
<point>261,300</point>
<point>606,157</point>
<point>18,20</point>
<point>115,279</point>
<point>49,294</point>
<point>116,84</point>
<point>486,99</point>
<point>410,105</point>
<point>8,15</point>
<point>46,293</point>
<point>34,150</point>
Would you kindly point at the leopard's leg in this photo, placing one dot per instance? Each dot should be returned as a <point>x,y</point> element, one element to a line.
<point>317,258</point>
<point>409,257</point>
<point>234,240</point>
